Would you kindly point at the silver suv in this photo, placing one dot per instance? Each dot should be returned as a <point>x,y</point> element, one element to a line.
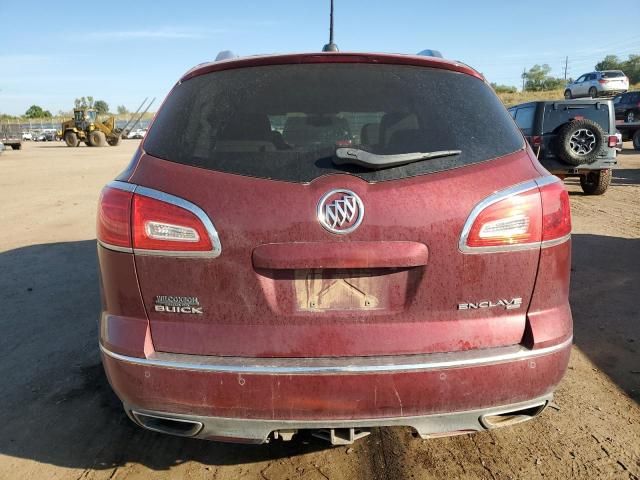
<point>595,84</point>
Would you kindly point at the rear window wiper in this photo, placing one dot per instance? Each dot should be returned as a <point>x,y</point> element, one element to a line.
<point>355,156</point>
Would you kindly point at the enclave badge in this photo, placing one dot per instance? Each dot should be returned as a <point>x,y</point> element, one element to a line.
<point>502,302</point>
<point>172,304</point>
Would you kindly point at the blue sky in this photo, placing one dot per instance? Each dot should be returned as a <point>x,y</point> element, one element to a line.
<point>124,51</point>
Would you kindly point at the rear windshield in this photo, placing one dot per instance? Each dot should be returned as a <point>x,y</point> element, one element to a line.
<point>285,122</point>
<point>612,74</point>
<point>562,113</point>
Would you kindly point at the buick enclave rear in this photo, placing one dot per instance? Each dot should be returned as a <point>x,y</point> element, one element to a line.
<point>333,242</point>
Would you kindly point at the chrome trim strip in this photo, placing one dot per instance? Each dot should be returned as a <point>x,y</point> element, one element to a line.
<point>555,241</point>
<point>342,365</point>
<point>193,208</point>
<point>494,198</point>
<point>127,187</point>
<point>115,248</point>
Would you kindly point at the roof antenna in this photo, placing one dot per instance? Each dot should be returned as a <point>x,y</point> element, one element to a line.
<point>330,47</point>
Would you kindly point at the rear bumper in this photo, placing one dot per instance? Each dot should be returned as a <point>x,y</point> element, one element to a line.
<point>257,431</point>
<point>240,399</point>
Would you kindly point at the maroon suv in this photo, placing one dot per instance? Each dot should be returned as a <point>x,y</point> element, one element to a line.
<point>333,242</point>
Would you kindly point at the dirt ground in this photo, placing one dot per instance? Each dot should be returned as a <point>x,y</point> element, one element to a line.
<point>59,418</point>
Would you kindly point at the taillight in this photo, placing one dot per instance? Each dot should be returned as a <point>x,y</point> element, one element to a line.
<point>146,221</point>
<point>158,225</point>
<point>612,141</point>
<point>536,141</point>
<point>602,82</point>
<point>519,218</point>
<point>114,215</point>
<point>556,212</point>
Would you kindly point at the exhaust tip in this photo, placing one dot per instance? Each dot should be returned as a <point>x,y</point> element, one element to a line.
<point>512,417</point>
<point>171,426</point>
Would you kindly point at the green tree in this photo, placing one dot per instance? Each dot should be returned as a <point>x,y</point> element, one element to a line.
<point>539,78</point>
<point>503,88</point>
<point>610,62</point>
<point>35,111</point>
<point>631,66</point>
<point>122,110</point>
<point>101,107</point>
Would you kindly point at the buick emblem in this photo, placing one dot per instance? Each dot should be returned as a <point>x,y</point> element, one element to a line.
<point>340,211</point>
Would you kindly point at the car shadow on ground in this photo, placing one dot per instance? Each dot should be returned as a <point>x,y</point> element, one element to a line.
<point>604,302</point>
<point>58,407</point>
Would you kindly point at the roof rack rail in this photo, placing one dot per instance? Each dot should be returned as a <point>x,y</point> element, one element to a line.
<point>225,55</point>
<point>430,53</point>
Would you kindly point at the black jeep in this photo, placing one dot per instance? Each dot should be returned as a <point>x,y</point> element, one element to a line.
<point>572,138</point>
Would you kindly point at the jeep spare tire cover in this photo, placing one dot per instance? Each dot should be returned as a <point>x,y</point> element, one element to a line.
<point>579,142</point>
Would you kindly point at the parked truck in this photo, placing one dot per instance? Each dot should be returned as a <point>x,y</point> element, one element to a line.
<point>11,136</point>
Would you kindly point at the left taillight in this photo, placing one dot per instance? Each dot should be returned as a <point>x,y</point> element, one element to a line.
<point>114,216</point>
<point>146,221</point>
<point>159,225</point>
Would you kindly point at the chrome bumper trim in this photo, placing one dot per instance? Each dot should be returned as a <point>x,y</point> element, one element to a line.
<point>339,365</point>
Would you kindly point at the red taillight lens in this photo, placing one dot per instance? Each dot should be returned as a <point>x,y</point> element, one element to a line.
<point>159,225</point>
<point>114,212</point>
<point>602,82</point>
<point>612,141</point>
<point>519,217</point>
<point>536,141</point>
<point>514,220</point>
<point>556,213</point>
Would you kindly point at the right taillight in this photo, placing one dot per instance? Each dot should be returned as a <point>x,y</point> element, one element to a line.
<point>519,218</point>
<point>556,213</point>
<point>146,221</point>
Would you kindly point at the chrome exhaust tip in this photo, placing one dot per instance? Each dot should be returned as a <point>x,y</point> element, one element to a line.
<point>172,426</point>
<point>511,417</point>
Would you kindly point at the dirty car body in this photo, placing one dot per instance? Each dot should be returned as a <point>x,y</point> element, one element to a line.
<point>317,241</point>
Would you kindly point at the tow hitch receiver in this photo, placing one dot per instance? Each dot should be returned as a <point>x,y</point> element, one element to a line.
<point>341,436</point>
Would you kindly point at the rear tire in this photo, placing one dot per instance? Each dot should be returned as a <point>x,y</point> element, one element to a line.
<point>113,141</point>
<point>596,182</point>
<point>579,142</point>
<point>97,139</point>
<point>17,147</point>
<point>71,139</point>
<point>593,92</point>
<point>636,140</point>
<point>630,116</point>
<point>568,95</point>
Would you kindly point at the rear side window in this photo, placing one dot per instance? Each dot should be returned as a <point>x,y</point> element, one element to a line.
<point>555,117</point>
<point>524,118</point>
<point>285,122</point>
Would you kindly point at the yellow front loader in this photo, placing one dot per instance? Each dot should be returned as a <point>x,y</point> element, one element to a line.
<point>85,127</point>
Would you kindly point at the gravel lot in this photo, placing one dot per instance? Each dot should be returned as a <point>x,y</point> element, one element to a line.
<point>59,418</point>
